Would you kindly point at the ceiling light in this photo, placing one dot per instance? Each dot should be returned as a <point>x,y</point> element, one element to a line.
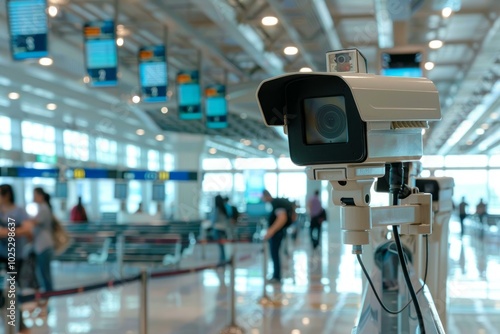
<point>261,147</point>
<point>424,131</point>
<point>14,95</point>
<point>140,132</point>
<point>86,79</point>
<point>446,12</point>
<point>270,151</point>
<point>247,142</point>
<point>243,116</point>
<point>170,93</point>
<point>494,115</point>
<point>435,44</point>
<point>429,65</point>
<point>119,41</point>
<point>164,110</point>
<point>485,126</point>
<point>291,50</point>
<point>479,132</point>
<point>160,137</point>
<point>45,61</point>
<point>52,10</point>
<point>305,69</point>
<point>282,156</point>
<point>469,142</point>
<point>51,106</point>
<point>269,21</point>
<point>136,99</point>
<point>212,150</point>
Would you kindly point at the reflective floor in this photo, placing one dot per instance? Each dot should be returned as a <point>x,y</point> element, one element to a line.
<point>320,294</point>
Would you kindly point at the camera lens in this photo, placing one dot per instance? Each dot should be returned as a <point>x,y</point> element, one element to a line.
<point>340,59</point>
<point>331,121</point>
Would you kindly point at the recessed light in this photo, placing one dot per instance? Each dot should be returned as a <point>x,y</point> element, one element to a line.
<point>485,126</point>
<point>136,99</point>
<point>86,79</point>
<point>119,41</point>
<point>247,142</point>
<point>140,132</point>
<point>270,151</point>
<point>469,142</point>
<point>164,110</point>
<point>429,65</point>
<point>291,50</point>
<point>305,69</point>
<point>435,44</point>
<point>423,131</point>
<point>494,115</point>
<point>170,93</point>
<point>160,137</point>
<point>479,132</point>
<point>212,150</point>
<point>261,147</point>
<point>52,11</point>
<point>269,21</point>
<point>45,61</point>
<point>51,106</point>
<point>282,156</point>
<point>446,12</point>
<point>14,95</point>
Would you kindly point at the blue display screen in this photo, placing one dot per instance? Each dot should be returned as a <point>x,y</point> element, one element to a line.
<point>403,72</point>
<point>401,64</point>
<point>189,95</point>
<point>153,73</point>
<point>101,53</point>
<point>216,106</point>
<point>28,28</point>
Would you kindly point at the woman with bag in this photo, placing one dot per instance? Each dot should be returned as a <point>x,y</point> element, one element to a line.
<point>43,241</point>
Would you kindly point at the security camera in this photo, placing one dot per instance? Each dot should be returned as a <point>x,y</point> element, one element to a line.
<point>349,119</point>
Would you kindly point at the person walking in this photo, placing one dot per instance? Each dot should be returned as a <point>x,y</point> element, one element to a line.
<point>220,225</point>
<point>316,214</point>
<point>280,218</point>
<point>462,214</point>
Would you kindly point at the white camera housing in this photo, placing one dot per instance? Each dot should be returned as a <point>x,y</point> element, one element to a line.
<point>349,121</point>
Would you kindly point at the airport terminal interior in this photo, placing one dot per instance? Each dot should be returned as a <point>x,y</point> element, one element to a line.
<point>155,185</point>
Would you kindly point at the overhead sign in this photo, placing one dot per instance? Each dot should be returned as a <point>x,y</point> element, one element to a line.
<point>153,73</point>
<point>28,28</point>
<point>101,54</point>
<point>401,63</point>
<point>216,106</point>
<point>189,95</point>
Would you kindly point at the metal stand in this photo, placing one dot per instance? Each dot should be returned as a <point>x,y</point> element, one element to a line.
<point>143,316</point>
<point>265,300</point>
<point>233,328</point>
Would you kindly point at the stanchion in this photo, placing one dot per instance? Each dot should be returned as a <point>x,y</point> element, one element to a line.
<point>265,300</point>
<point>143,321</point>
<point>233,328</point>
<point>120,245</point>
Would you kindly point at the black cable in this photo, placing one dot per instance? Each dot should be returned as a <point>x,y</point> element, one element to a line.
<point>407,279</point>
<point>360,260</point>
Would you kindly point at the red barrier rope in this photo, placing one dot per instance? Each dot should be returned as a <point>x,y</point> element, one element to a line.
<point>118,282</point>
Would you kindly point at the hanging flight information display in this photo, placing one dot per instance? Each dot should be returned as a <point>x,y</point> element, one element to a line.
<point>216,106</point>
<point>28,28</point>
<point>101,55</point>
<point>153,73</point>
<point>401,63</point>
<point>189,94</point>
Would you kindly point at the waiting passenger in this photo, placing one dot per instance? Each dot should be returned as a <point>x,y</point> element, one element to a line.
<point>220,225</point>
<point>139,208</point>
<point>481,211</point>
<point>281,217</point>
<point>43,242</point>
<point>78,214</point>
<point>462,213</point>
<point>11,213</point>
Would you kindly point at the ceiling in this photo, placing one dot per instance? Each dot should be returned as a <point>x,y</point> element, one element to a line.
<point>227,41</point>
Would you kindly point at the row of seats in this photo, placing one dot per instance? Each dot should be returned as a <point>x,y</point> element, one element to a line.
<point>144,244</point>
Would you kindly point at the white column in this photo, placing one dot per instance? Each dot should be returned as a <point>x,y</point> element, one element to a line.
<point>188,155</point>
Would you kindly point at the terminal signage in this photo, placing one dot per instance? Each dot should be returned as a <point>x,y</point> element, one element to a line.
<point>101,54</point>
<point>153,73</point>
<point>216,106</point>
<point>189,95</point>
<point>99,173</point>
<point>28,28</point>
<point>407,64</point>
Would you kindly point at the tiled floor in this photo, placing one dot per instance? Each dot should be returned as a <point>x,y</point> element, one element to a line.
<point>321,294</point>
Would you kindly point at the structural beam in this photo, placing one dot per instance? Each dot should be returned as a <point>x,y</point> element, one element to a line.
<point>327,24</point>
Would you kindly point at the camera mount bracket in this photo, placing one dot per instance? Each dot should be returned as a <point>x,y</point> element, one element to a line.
<point>352,194</point>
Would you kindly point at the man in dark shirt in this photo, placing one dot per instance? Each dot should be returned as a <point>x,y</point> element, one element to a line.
<point>278,220</point>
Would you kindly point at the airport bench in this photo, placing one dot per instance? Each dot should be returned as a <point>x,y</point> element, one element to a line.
<point>141,248</point>
<point>88,247</point>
